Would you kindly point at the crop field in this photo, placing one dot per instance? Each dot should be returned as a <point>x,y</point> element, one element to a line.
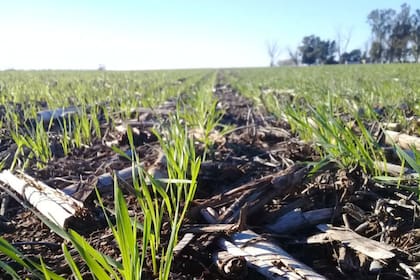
<point>265,173</point>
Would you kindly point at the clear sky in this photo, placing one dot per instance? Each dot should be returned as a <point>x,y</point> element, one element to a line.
<point>137,34</point>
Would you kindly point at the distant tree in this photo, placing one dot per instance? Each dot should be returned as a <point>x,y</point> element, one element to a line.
<point>345,58</point>
<point>316,51</point>
<point>328,52</point>
<point>415,35</point>
<point>376,51</point>
<point>101,67</point>
<point>381,22</point>
<point>400,35</point>
<point>273,52</point>
<point>310,49</point>
<point>395,37</point>
<point>342,41</point>
<point>355,56</point>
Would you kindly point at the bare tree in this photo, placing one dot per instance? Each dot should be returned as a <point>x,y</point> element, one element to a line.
<point>294,55</point>
<point>342,40</point>
<point>365,51</point>
<point>273,52</point>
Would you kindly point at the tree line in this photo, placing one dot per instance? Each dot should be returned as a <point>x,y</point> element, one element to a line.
<point>395,37</point>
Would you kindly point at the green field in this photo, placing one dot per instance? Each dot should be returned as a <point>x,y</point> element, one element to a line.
<point>341,113</point>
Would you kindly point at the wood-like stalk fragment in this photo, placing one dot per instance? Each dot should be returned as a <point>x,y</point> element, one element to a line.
<point>231,267</point>
<point>105,182</point>
<point>405,141</point>
<point>51,203</point>
<point>297,219</point>
<point>60,113</point>
<point>185,240</point>
<point>267,252</point>
<point>396,170</point>
<point>265,257</point>
<point>371,248</point>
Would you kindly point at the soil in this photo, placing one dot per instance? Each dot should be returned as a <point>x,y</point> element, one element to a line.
<point>258,148</point>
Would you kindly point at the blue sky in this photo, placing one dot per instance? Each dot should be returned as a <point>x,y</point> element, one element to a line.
<point>137,34</point>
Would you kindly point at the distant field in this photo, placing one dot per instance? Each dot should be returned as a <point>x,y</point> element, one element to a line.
<point>371,84</point>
